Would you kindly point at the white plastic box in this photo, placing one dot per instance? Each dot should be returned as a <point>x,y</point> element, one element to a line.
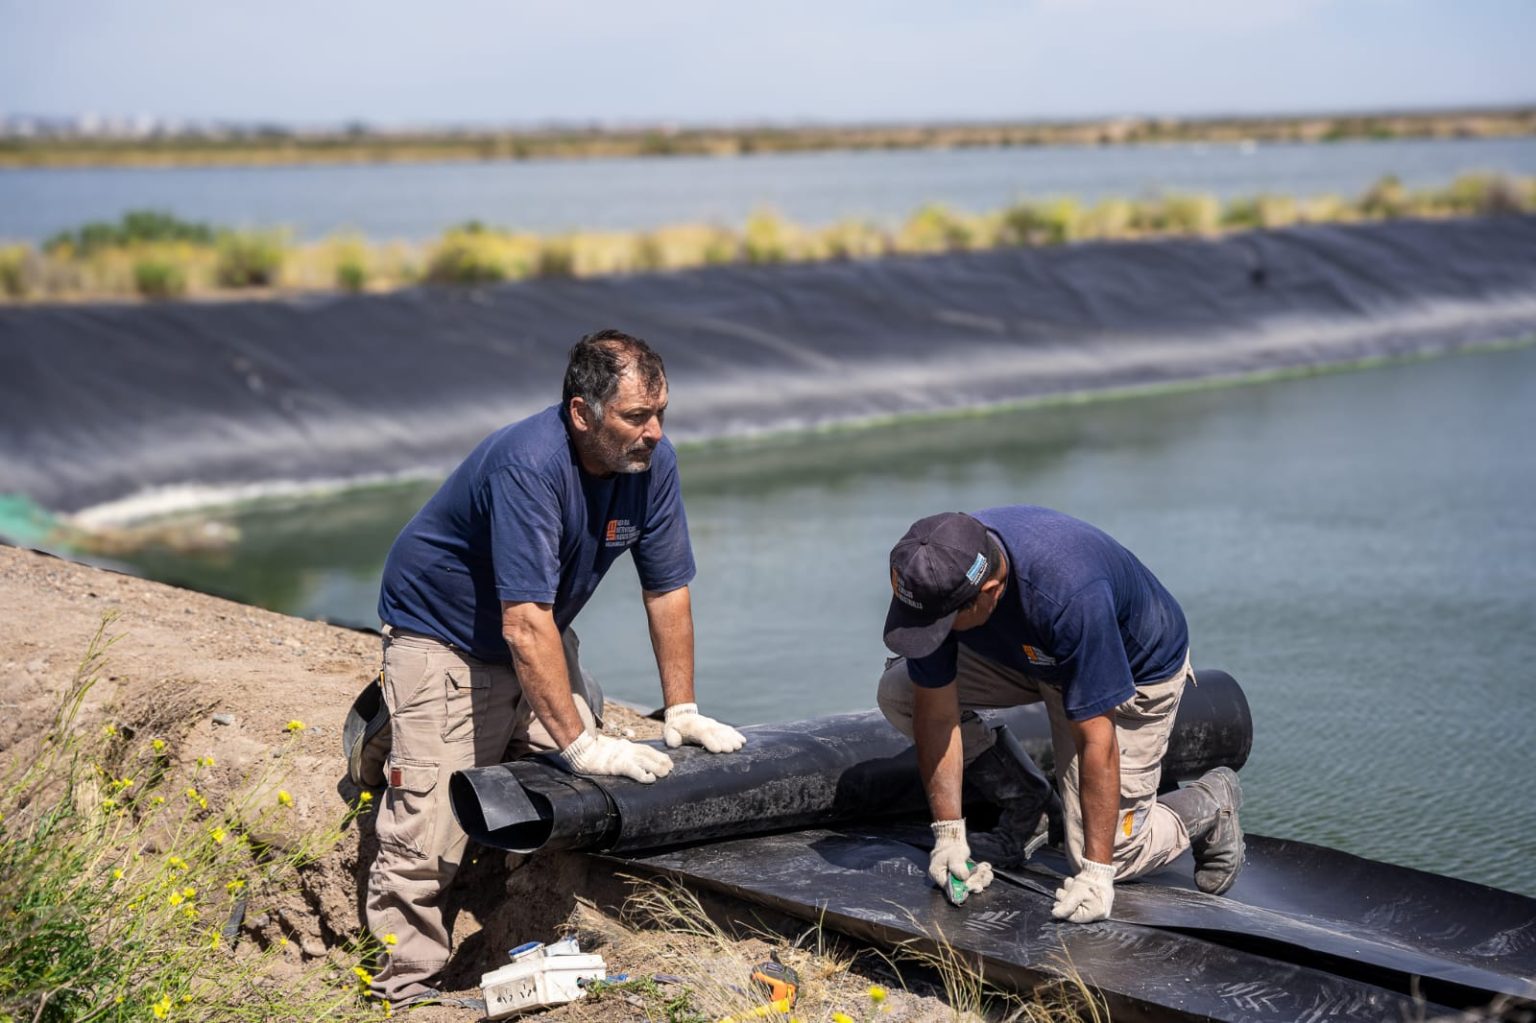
<point>537,979</point>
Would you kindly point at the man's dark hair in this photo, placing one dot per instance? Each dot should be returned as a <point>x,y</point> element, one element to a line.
<point>600,359</point>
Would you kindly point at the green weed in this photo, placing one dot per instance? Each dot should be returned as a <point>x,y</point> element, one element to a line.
<point>124,885</point>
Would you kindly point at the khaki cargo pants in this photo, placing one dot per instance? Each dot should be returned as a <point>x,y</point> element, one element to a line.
<point>1148,834</point>
<point>449,711</point>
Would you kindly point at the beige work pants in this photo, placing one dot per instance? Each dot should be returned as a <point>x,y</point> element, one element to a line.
<point>1147,834</point>
<point>449,712</point>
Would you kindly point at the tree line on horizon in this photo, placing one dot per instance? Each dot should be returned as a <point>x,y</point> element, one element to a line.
<point>270,145</point>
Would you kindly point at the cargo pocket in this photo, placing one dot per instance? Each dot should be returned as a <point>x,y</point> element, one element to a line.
<point>464,687</point>
<point>1138,791</point>
<point>409,823</point>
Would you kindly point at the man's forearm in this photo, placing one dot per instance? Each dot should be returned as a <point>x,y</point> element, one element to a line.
<point>940,756</point>
<point>538,657</point>
<point>670,616</point>
<point>1099,791</point>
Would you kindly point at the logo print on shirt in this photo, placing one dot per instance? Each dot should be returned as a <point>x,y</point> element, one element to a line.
<point>1037,656</point>
<point>620,533</point>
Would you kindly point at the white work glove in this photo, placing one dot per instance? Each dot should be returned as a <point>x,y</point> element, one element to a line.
<point>951,854</point>
<point>683,723</point>
<point>1088,896</point>
<point>603,754</point>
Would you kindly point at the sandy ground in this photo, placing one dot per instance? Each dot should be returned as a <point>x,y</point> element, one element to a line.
<point>184,657</point>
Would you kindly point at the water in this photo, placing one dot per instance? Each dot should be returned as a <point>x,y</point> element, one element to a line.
<point>417,201</point>
<point>1358,549</point>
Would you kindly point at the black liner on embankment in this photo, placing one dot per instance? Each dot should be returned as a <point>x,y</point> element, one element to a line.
<point>103,402</point>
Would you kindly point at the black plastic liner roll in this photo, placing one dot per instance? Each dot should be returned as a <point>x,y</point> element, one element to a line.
<point>804,774</point>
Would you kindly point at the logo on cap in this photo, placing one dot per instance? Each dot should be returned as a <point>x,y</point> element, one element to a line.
<point>903,594</point>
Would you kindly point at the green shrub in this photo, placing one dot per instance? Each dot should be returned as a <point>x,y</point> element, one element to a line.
<point>934,228</point>
<point>766,238</point>
<point>1483,194</point>
<point>351,276</point>
<point>158,278</point>
<point>1241,214</point>
<point>466,255</point>
<point>14,282</point>
<point>557,258</point>
<point>1386,198</point>
<point>249,259</point>
<point>136,226</point>
<point>1054,223</point>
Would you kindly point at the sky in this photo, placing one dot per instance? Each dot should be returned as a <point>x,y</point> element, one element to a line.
<point>391,62</point>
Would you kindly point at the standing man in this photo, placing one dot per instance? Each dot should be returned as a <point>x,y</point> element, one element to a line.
<point>1022,604</point>
<point>478,595</point>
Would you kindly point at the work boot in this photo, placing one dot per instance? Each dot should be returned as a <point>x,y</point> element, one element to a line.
<point>1006,777</point>
<point>1208,807</point>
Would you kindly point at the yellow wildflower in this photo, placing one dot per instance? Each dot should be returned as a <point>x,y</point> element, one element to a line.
<point>162,1007</point>
<point>391,940</point>
<point>157,800</point>
<point>213,942</point>
<point>189,892</point>
<point>158,745</point>
<point>117,873</point>
<point>108,805</point>
<point>295,725</point>
<point>218,835</point>
<point>177,862</point>
<point>205,761</point>
<point>177,898</point>
<point>284,798</point>
<point>234,886</point>
<point>109,730</point>
<point>877,993</point>
<point>841,1017</point>
<point>365,797</point>
<point>189,913</point>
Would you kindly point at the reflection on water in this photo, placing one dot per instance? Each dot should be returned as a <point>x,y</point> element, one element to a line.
<point>1358,549</point>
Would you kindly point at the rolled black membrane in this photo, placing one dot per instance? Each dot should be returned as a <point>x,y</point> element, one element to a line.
<point>103,402</point>
<point>826,770</point>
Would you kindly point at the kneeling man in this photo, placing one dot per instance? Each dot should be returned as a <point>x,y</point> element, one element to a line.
<point>1022,604</point>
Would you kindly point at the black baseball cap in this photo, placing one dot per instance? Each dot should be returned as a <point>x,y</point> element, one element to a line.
<point>936,569</point>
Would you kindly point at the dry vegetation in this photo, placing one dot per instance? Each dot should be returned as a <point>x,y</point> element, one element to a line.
<point>154,255</point>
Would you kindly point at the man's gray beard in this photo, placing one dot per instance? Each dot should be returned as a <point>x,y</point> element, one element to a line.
<point>622,461</point>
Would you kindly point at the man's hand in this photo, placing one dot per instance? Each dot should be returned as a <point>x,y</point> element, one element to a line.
<point>603,754</point>
<point>950,855</point>
<point>683,723</point>
<point>1088,896</point>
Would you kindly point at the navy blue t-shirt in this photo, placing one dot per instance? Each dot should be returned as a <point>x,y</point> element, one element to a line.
<point>1080,613</point>
<point>520,520</point>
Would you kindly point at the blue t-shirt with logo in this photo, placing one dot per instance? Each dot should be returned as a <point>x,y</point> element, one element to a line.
<point>520,520</point>
<point>1080,613</point>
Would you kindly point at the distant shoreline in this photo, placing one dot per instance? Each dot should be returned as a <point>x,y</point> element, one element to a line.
<point>274,146</point>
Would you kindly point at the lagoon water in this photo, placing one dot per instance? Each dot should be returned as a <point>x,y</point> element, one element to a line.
<point>1357,548</point>
<point>417,201</point>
